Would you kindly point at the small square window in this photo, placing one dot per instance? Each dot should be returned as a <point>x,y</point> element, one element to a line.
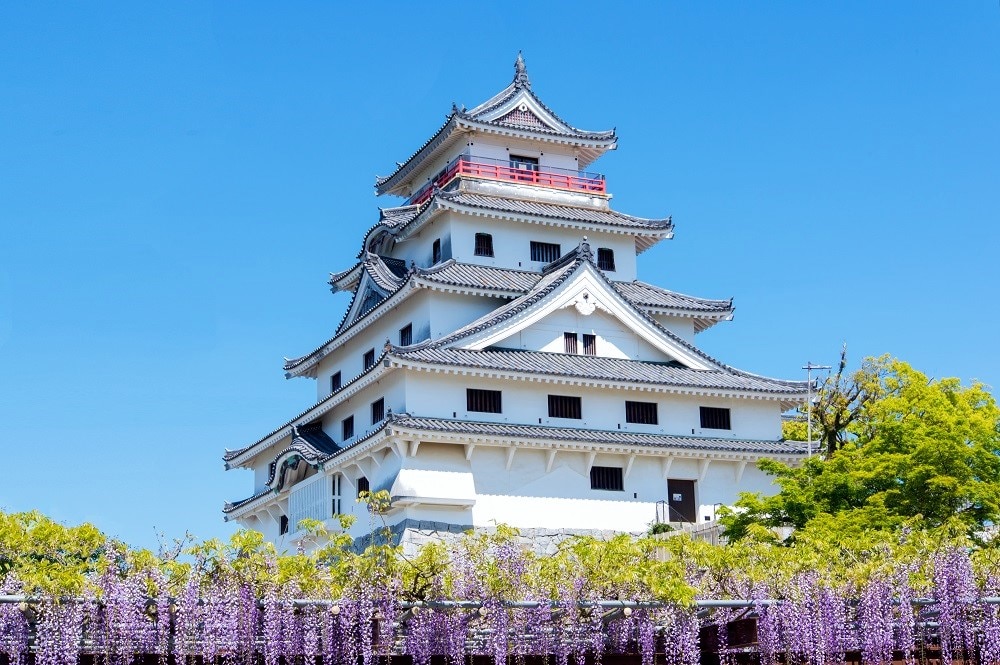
<point>565,406</point>
<point>643,413</point>
<point>369,359</point>
<point>569,342</point>
<point>589,345</point>
<point>347,428</point>
<point>483,401</point>
<point>335,382</point>
<point>406,335</point>
<point>378,410</point>
<point>607,478</point>
<point>715,418</point>
<point>606,259</point>
<point>484,244</point>
<point>545,251</point>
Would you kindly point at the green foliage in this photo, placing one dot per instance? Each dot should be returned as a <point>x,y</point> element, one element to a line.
<point>47,556</point>
<point>909,451</point>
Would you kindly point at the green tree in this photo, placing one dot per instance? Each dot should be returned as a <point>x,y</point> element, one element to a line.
<point>898,446</point>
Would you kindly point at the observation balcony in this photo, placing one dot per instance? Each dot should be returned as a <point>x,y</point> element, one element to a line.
<point>488,168</point>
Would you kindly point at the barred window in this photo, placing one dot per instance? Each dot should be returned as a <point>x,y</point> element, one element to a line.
<point>715,418</point>
<point>643,413</point>
<point>606,259</point>
<point>483,401</point>
<point>363,486</point>
<point>378,410</point>
<point>565,406</point>
<point>569,342</point>
<point>347,427</point>
<point>545,251</point>
<point>335,481</point>
<point>589,345</point>
<point>484,244</point>
<point>369,359</point>
<point>406,335</point>
<point>436,252</point>
<point>607,478</point>
<point>335,382</point>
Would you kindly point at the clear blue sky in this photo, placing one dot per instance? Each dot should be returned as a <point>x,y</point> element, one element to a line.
<point>178,179</point>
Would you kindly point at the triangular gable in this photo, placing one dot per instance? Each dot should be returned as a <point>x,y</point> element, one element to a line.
<point>523,109</point>
<point>366,296</point>
<point>586,289</point>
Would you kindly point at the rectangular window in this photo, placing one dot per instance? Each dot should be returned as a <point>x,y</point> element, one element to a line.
<point>565,406</point>
<point>607,478</point>
<point>369,359</point>
<point>347,427</point>
<point>715,418</point>
<point>606,259</point>
<point>378,410</point>
<point>436,252</point>
<point>335,382</point>
<point>363,486</point>
<point>335,481</point>
<point>642,413</point>
<point>283,525</point>
<point>545,251</point>
<point>569,342</point>
<point>484,244</point>
<point>522,162</point>
<point>589,345</point>
<point>406,335</point>
<point>483,401</point>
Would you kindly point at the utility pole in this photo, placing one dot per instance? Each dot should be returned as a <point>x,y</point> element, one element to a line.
<point>809,367</point>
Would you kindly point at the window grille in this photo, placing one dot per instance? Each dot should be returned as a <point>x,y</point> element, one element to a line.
<point>545,251</point>
<point>607,478</point>
<point>406,335</point>
<point>347,427</point>
<point>483,401</point>
<point>565,406</point>
<point>378,410</point>
<point>522,162</point>
<point>436,252</point>
<point>363,486</point>
<point>484,244</point>
<point>335,382</point>
<point>643,413</point>
<point>589,345</point>
<point>715,418</point>
<point>336,494</point>
<point>369,359</point>
<point>606,259</point>
<point>569,342</point>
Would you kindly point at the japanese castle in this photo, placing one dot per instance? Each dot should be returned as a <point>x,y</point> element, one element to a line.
<point>501,362</point>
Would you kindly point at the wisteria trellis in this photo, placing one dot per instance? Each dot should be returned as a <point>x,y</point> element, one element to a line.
<point>217,617</point>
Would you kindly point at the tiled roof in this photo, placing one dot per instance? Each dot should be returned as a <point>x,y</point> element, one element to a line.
<point>586,215</point>
<point>469,275</point>
<point>648,295</point>
<point>600,368</point>
<point>610,437</point>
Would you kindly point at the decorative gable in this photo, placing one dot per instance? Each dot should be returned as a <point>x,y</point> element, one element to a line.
<point>522,117</point>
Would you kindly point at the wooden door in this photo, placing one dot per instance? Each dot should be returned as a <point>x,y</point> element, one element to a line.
<point>680,499</point>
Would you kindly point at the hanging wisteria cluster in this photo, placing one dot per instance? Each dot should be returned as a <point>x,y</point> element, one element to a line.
<point>493,597</point>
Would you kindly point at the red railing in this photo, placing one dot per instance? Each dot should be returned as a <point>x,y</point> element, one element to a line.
<point>496,169</point>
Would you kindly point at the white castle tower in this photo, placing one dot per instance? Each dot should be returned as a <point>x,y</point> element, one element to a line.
<point>500,361</point>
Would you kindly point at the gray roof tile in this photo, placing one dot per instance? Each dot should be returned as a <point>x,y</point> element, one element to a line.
<point>610,437</point>
<point>601,368</point>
